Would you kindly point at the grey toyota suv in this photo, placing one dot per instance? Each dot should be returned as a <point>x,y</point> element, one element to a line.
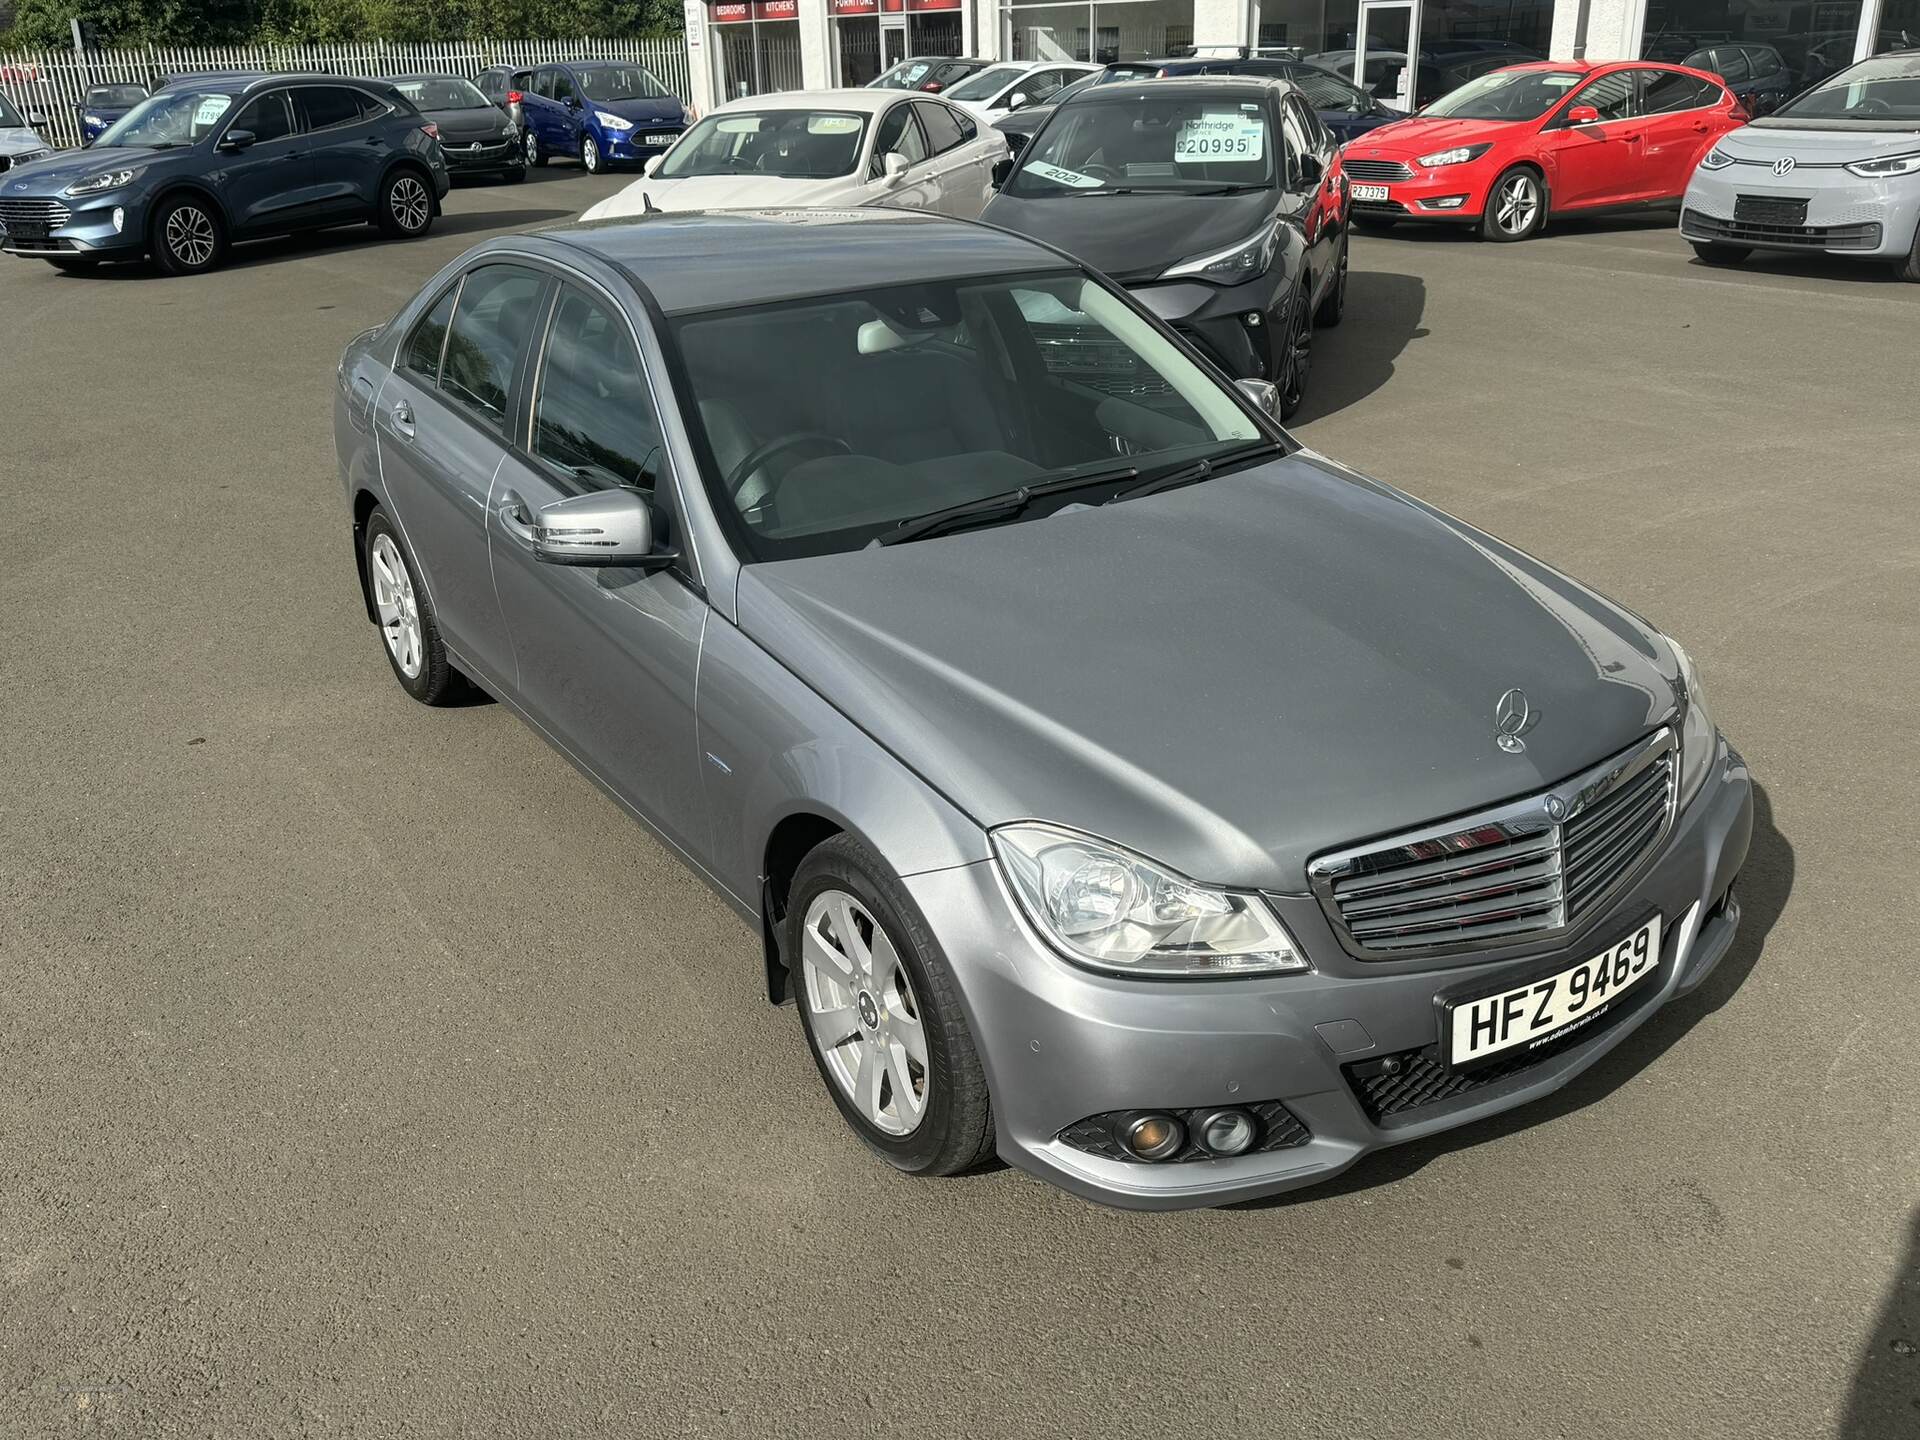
<point>1112,783</point>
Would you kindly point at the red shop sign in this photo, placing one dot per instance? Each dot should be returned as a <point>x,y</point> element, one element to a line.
<point>853,7</point>
<point>776,9</point>
<point>933,4</point>
<point>730,12</point>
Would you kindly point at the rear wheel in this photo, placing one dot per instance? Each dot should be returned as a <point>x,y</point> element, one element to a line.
<point>1295,358</point>
<point>1721,254</point>
<point>1516,206</point>
<point>406,205</point>
<point>590,155</point>
<point>188,238</point>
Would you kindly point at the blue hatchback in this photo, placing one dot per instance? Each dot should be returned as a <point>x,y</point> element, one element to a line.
<point>104,105</point>
<point>601,112</point>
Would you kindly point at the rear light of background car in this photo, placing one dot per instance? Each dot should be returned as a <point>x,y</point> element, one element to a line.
<point>513,97</point>
<point>432,130</point>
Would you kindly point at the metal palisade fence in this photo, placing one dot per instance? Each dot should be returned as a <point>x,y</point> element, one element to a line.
<point>53,83</point>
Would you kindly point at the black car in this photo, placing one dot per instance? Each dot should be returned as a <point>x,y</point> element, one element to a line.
<point>475,135</point>
<point>200,165</point>
<point>505,86</point>
<point>1216,201</point>
<point>1756,74</point>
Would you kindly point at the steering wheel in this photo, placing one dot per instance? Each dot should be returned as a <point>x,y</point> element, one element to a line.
<point>756,458</point>
<point>1874,105</point>
<point>1100,172</point>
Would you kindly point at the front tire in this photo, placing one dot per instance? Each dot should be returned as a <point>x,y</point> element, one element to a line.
<point>590,155</point>
<point>408,626</point>
<point>188,238</point>
<point>532,148</point>
<point>882,1014</point>
<point>1516,206</point>
<point>1711,254</point>
<point>406,205</point>
<point>1294,360</point>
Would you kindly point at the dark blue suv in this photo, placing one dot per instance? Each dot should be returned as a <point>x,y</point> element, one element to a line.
<point>207,162</point>
<point>602,112</point>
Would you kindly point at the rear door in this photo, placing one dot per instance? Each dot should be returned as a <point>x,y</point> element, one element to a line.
<point>605,657</point>
<point>348,140</point>
<point>441,426</point>
<point>1597,164</point>
<point>269,184</point>
<point>1312,193</point>
<point>1679,122</point>
<point>545,115</point>
<point>898,133</point>
<point>959,171</point>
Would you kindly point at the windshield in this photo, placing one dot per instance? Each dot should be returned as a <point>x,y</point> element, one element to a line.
<point>438,92</point>
<point>9,117</point>
<point>175,117</point>
<point>112,96</point>
<point>827,422</point>
<point>619,82</point>
<point>1505,95</point>
<point>987,84</point>
<point>1886,87</point>
<point>787,144</point>
<point>1193,144</point>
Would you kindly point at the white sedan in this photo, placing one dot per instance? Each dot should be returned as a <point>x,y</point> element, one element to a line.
<point>1010,85</point>
<point>822,149</point>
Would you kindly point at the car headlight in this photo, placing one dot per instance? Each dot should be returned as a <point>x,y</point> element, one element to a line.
<point>93,119</point>
<point>1697,732</point>
<point>106,180</point>
<point>1116,911</point>
<point>1239,262</point>
<point>1886,165</point>
<point>27,157</point>
<point>1458,155</point>
<point>612,122</point>
<point>1715,159</point>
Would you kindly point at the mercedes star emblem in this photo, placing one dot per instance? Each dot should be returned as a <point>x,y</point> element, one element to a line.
<point>1510,716</point>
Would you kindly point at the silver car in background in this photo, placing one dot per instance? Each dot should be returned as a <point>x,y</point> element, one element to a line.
<point>1113,784</point>
<point>20,141</point>
<point>1835,171</point>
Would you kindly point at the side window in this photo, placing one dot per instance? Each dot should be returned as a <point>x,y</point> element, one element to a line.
<point>1040,85</point>
<point>1324,92</point>
<point>1297,140</point>
<point>592,417</point>
<point>1731,63</point>
<point>943,131</point>
<point>1664,91</point>
<point>267,116</point>
<point>1317,134</point>
<point>421,353</point>
<point>489,85</point>
<point>489,328</point>
<point>899,133</point>
<point>1765,60</point>
<point>1611,95</point>
<point>547,84</point>
<point>327,107</point>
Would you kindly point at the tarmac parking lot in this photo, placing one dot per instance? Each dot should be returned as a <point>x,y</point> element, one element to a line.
<point>364,1071</point>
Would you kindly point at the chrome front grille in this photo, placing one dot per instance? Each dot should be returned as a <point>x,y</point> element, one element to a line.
<point>1526,870</point>
<point>50,213</point>
<point>1376,169</point>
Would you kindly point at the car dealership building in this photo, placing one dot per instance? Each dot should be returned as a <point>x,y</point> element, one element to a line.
<point>750,47</point>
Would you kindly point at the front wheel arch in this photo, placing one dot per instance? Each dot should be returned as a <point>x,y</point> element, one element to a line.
<point>181,189</point>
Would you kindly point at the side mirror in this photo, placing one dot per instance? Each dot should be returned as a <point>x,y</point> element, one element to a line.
<point>36,119</point>
<point>1002,171</point>
<point>573,102</point>
<point>602,527</point>
<point>1264,394</point>
<point>234,141</point>
<point>1016,100</point>
<point>1583,115</point>
<point>652,167</point>
<point>1311,172</point>
<point>893,169</point>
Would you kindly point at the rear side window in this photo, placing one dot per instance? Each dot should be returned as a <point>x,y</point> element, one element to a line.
<point>490,328</point>
<point>1326,92</point>
<point>1664,91</point>
<point>943,132</point>
<point>593,419</point>
<point>421,354</point>
<point>493,85</point>
<point>1765,59</point>
<point>267,116</point>
<point>1298,139</point>
<point>328,107</point>
<point>1730,63</point>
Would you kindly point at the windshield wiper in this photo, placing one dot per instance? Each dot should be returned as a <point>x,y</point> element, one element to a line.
<point>1196,470</point>
<point>1004,506</point>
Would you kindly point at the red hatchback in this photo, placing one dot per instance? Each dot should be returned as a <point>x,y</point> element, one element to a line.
<point>1573,137</point>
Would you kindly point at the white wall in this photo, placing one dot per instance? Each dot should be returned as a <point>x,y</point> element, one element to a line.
<point>1220,22</point>
<point>1613,29</point>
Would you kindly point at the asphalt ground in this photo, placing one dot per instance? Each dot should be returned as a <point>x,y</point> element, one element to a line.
<point>363,1071</point>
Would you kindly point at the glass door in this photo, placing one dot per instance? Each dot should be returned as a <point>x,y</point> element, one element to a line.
<point>893,43</point>
<point>1384,51</point>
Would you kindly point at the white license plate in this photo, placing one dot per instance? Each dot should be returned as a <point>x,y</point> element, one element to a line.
<point>659,139</point>
<point>1553,1006</point>
<point>1369,192</point>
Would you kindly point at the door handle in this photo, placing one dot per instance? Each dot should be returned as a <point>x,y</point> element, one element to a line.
<point>403,418</point>
<point>515,519</point>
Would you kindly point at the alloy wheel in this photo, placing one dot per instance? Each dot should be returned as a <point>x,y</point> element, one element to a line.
<point>190,236</point>
<point>590,153</point>
<point>396,605</point>
<point>1516,204</point>
<point>1296,353</point>
<point>532,147</point>
<point>410,204</point>
<point>863,1013</point>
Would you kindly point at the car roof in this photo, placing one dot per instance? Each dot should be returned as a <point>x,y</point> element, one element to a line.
<point>426,75</point>
<point>703,259</point>
<point>1174,85</point>
<point>866,100</point>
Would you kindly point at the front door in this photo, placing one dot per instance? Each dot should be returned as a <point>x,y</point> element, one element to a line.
<point>893,45</point>
<point>605,656</point>
<point>1388,29</point>
<point>270,183</point>
<point>1599,163</point>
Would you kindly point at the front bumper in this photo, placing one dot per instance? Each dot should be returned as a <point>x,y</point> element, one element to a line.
<point>1844,214</point>
<point>1232,325</point>
<point>640,144</point>
<point>489,158</point>
<point>36,228</point>
<point>1449,193</point>
<point>1061,1044</point>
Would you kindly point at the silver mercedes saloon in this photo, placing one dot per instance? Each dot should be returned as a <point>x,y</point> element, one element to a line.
<point>1109,783</point>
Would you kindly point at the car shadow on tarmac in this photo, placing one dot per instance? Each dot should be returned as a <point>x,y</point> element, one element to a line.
<point>1766,880</point>
<point>1350,363</point>
<point>1885,1401</point>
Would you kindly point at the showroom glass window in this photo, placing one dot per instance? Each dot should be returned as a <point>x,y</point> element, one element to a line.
<point>757,46</point>
<point>1100,33</point>
<point>1809,42</point>
<point>1458,40</point>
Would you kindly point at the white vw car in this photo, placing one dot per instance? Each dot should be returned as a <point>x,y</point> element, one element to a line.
<point>818,148</point>
<point>1010,85</point>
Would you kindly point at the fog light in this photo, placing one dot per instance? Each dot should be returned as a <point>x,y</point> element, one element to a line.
<point>1445,202</point>
<point>1155,1137</point>
<point>1226,1132</point>
<point>119,219</point>
<point>1253,319</point>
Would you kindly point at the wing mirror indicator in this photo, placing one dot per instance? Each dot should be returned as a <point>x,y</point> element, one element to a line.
<point>1583,115</point>
<point>1264,394</point>
<point>234,141</point>
<point>602,527</point>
